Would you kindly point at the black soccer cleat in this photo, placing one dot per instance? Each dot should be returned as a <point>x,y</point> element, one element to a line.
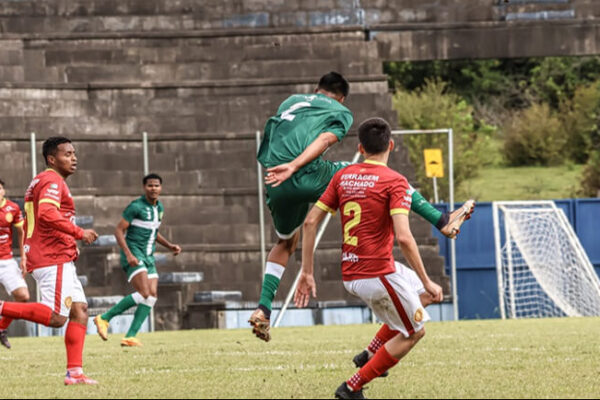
<point>362,358</point>
<point>344,393</point>
<point>4,339</point>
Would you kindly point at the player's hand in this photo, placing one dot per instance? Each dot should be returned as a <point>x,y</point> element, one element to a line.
<point>279,174</point>
<point>89,236</point>
<point>306,287</point>
<point>435,291</point>
<point>176,249</point>
<point>132,260</point>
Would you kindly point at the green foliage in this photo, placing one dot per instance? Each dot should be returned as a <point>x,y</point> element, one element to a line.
<point>590,182</point>
<point>535,137</point>
<point>432,107</point>
<point>580,120</point>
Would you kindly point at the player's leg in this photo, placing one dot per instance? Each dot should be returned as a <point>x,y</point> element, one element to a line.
<point>13,282</point>
<point>403,321</point>
<point>102,322</point>
<point>447,223</point>
<point>143,284</point>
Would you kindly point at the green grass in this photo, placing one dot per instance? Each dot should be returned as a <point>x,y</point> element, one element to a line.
<point>545,358</point>
<point>523,183</point>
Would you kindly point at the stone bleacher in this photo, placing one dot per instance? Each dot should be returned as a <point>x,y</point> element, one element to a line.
<point>103,75</point>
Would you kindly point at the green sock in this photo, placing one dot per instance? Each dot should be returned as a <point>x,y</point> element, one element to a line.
<point>425,209</point>
<point>139,317</point>
<point>273,275</point>
<point>125,304</point>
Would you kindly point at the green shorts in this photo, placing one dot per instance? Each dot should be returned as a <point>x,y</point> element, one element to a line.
<point>147,264</point>
<point>290,201</point>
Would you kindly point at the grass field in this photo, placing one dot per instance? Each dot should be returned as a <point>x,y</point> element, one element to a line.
<point>545,358</point>
<point>523,183</point>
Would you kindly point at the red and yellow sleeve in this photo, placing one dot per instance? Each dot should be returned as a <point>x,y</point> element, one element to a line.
<point>400,198</point>
<point>329,201</point>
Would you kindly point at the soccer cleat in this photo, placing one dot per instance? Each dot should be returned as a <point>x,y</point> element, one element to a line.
<point>343,392</point>
<point>362,358</point>
<point>260,325</point>
<point>102,327</point>
<point>131,342</point>
<point>81,379</point>
<point>4,339</point>
<point>456,219</point>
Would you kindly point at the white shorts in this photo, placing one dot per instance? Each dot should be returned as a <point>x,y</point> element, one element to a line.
<point>394,298</point>
<point>11,276</point>
<point>59,287</point>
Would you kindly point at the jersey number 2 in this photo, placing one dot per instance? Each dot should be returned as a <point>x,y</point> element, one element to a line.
<point>349,208</point>
<point>287,114</point>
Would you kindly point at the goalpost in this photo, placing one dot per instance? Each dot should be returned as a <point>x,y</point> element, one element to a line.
<point>323,226</point>
<point>542,269</point>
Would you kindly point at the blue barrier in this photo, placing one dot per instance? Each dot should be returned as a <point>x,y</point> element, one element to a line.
<point>477,285</point>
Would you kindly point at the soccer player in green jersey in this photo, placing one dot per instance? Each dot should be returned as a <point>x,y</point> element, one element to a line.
<point>294,140</point>
<point>136,234</point>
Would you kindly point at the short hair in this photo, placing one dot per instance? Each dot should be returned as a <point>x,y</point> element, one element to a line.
<point>2,182</point>
<point>375,135</point>
<point>152,176</point>
<point>50,146</point>
<point>335,83</point>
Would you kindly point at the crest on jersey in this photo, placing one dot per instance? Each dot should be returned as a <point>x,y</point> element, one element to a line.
<point>9,218</point>
<point>54,186</point>
<point>68,302</point>
<point>419,315</point>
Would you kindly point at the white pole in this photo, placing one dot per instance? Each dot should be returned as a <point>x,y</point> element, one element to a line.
<point>146,172</point>
<point>435,192</point>
<point>317,240</point>
<point>452,242</point>
<point>498,249</point>
<point>261,211</point>
<point>38,295</point>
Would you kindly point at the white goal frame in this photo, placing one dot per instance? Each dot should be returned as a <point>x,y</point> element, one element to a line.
<point>586,266</point>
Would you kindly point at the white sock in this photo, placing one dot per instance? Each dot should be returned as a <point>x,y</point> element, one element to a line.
<point>275,269</point>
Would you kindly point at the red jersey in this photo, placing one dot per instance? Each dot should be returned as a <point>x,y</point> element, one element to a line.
<point>367,194</point>
<point>50,222</point>
<point>10,215</point>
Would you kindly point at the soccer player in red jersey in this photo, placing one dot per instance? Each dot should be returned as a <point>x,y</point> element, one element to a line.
<point>11,275</point>
<point>51,248</point>
<point>374,202</point>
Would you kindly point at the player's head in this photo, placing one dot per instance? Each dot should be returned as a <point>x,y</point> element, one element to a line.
<point>59,155</point>
<point>2,191</point>
<point>334,85</point>
<point>375,136</point>
<point>152,187</point>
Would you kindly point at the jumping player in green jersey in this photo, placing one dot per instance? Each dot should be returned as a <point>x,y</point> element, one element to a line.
<point>294,140</point>
<point>136,234</point>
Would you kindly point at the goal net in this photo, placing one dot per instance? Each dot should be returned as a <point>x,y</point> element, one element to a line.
<point>543,271</point>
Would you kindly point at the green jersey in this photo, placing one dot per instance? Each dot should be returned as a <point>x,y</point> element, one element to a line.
<point>144,220</point>
<point>299,121</point>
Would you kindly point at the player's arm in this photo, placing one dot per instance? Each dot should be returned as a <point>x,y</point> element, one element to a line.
<point>51,216</point>
<point>278,174</point>
<point>120,231</point>
<point>176,249</point>
<point>410,250</point>
<point>306,284</point>
<point>21,235</point>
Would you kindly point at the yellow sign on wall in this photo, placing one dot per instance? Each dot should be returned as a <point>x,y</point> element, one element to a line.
<point>434,166</point>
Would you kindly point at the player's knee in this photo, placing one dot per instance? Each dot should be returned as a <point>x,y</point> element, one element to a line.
<point>418,335</point>
<point>57,321</point>
<point>22,297</point>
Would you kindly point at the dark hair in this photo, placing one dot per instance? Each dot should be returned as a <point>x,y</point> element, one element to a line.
<point>334,83</point>
<point>2,182</point>
<point>374,135</point>
<point>152,176</point>
<point>50,146</point>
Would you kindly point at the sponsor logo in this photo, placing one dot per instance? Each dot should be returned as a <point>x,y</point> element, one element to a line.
<point>26,248</point>
<point>419,315</point>
<point>54,186</point>
<point>346,256</point>
<point>9,218</point>
<point>55,192</point>
<point>68,302</point>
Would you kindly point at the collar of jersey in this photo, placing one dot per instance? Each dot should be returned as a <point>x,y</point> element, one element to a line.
<point>147,202</point>
<point>2,203</point>
<point>53,170</point>
<point>375,162</point>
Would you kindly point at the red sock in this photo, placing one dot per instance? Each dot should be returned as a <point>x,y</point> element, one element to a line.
<point>381,362</point>
<point>34,312</point>
<point>4,323</point>
<point>383,335</point>
<point>74,339</point>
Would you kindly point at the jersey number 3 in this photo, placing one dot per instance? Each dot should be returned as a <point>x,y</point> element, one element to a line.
<point>350,208</point>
